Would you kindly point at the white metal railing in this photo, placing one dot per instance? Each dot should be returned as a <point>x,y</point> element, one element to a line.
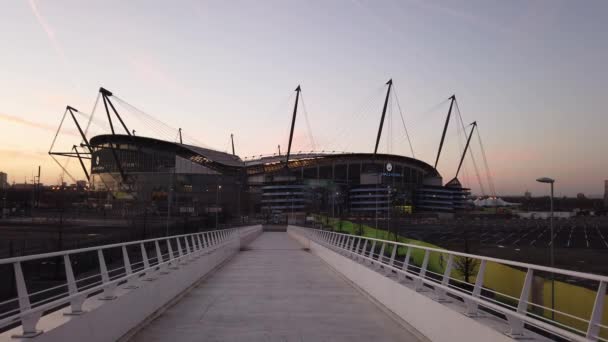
<point>170,252</point>
<point>520,312</point>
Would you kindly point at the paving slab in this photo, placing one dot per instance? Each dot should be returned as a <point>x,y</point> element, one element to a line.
<point>274,291</point>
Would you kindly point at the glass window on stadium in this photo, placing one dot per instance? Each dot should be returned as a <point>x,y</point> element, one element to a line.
<point>340,173</point>
<point>325,172</point>
<point>370,167</point>
<point>399,170</point>
<point>407,175</point>
<point>310,173</point>
<point>354,173</point>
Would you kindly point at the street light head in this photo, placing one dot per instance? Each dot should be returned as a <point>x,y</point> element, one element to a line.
<point>545,180</point>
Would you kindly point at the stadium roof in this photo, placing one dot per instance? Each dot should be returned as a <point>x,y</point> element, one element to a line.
<point>209,154</point>
<point>276,162</point>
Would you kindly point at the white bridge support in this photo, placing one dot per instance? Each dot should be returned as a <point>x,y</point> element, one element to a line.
<point>126,302</point>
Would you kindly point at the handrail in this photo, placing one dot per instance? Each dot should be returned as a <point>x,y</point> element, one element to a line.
<point>88,249</point>
<point>189,246</point>
<point>364,249</point>
<point>542,268</point>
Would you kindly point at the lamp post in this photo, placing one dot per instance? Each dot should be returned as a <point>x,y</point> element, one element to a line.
<point>217,205</point>
<point>551,243</point>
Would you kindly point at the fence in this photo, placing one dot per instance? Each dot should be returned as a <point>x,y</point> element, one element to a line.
<point>114,268</point>
<point>520,313</point>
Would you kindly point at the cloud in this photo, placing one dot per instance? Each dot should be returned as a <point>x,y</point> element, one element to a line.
<point>32,124</point>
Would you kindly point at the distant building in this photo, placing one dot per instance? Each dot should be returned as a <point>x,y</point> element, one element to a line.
<point>3,180</point>
<point>606,194</point>
<point>528,194</point>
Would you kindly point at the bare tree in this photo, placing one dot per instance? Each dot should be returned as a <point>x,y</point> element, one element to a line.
<point>466,267</point>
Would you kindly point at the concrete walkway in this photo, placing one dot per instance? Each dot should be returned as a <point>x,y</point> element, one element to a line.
<point>275,291</point>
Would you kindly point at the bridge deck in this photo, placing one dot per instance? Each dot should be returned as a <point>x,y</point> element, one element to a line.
<point>275,291</point>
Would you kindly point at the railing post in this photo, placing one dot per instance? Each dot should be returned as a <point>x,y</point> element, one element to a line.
<point>180,252</point>
<point>159,255</point>
<point>391,261</point>
<point>162,268</point>
<point>28,321</point>
<point>371,252</point>
<point>347,239</point>
<point>516,324</point>
<point>188,249</point>
<point>144,256</point>
<point>200,242</point>
<point>195,248</point>
<point>381,255</point>
<point>131,281</point>
<point>173,264</point>
<point>182,260</point>
<point>406,264</point>
<point>363,251</point>
<point>445,281</point>
<point>593,330</point>
<point>472,305</point>
<point>108,289</point>
<point>422,273</point>
<point>205,240</point>
<point>77,301</point>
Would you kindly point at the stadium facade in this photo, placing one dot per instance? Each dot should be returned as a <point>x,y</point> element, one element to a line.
<point>184,179</point>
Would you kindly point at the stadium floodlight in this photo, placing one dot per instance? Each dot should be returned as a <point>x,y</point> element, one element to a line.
<point>551,243</point>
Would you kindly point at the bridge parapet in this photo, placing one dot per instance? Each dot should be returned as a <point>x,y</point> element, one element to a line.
<point>131,281</point>
<point>441,305</point>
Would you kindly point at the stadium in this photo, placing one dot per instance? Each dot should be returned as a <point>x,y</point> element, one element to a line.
<point>181,179</point>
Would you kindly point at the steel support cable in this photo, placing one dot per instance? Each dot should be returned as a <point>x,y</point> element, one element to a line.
<point>65,171</point>
<point>485,160</point>
<point>58,129</point>
<point>371,106</point>
<point>483,191</point>
<point>155,129</point>
<point>461,133</point>
<point>340,140</point>
<point>162,131</point>
<point>403,121</point>
<point>362,109</point>
<point>310,136</point>
<point>91,121</point>
<point>86,130</point>
<point>159,125</point>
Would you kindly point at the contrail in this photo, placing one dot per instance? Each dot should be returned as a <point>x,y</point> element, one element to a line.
<point>51,35</point>
<point>47,29</point>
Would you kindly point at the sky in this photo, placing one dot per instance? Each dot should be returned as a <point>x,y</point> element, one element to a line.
<point>531,73</point>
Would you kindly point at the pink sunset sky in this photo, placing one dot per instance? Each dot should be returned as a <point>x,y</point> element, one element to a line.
<point>531,73</point>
